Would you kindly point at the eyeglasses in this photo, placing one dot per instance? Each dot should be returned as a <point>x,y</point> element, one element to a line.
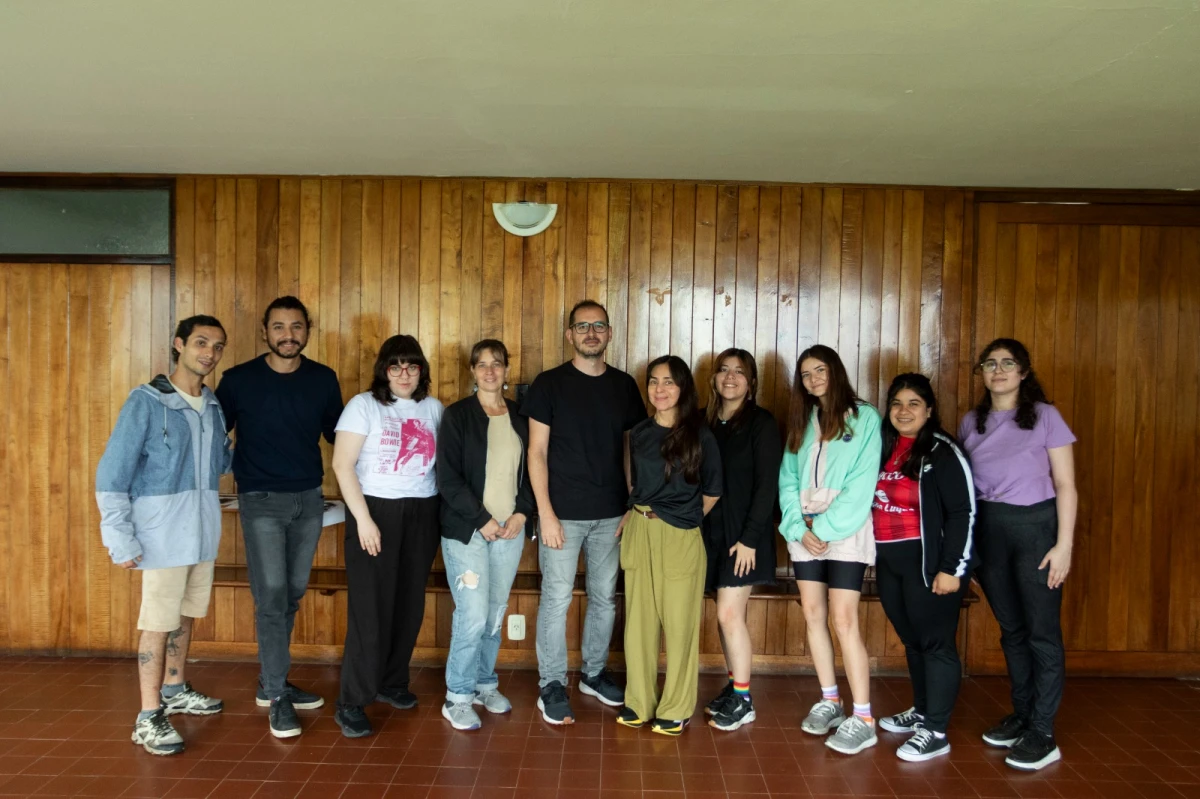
<point>582,327</point>
<point>410,369</point>
<point>991,365</point>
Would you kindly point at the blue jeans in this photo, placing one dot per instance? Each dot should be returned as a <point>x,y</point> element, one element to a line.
<point>597,539</point>
<point>481,574</point>
<point>281,531</point>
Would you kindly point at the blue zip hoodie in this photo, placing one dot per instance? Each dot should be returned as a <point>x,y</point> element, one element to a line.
<point>157,482</point>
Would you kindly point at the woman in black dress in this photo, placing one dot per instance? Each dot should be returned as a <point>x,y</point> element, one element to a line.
<point>739,533</point>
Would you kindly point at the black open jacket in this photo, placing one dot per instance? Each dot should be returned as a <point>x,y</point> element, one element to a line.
<point>947,511</point>
<point>462,447</point>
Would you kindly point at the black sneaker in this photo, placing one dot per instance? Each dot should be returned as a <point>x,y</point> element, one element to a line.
<point>906,722</point>
<point>284,721</point>
<point>352,720</point>
<point>714,707</point>
<point>403,699</point>
<point>1006,733</point>
<point>301,700</point>
<point>736,711</point>
<point>602,688</point>
<point>1033,752</point>
<point>555,707</point>
<point>670,727</point>
<point>627,718</point>
<point>924,745</point>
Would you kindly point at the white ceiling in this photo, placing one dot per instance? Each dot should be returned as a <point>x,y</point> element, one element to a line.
<point>1066,93</point>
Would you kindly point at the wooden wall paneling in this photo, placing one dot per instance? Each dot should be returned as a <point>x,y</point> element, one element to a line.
<point>725,269</point>
<point>82,541</point>
<point>683,244</point>
<point>575,247</point>
<point>185,247</point>
<point>661,220</point>
<point>554,301</point>
<point>1024,297</point>
<point>767,310</point>
<point>911,258</point>
<point>1165,489</point>
<point>1184,633</point>
<point>310,244</point>
<point>449,345</point>
<point>205,244</point>
<point>351,294</point>
<point>389,258</point>
<point>58,556</point>
<point>787,327</point>
<point>20,582</point>
<point>513,268</point>
<point>831,266</point>
<point>266,251</point>
<point>637,344</point>
<point>870,306</point>
<point>37,433</point>
<point>129,358</point>
<point>1084,378</point>
<point>932,290</point>
<point>889,317</point>
<point>492,286</point>
<point>429,307</point>
<point>597,242</point>
<point>1005,286</point>
<point>533,286</point>
<point>107,589</point>
<point>746,281</point>
<point>850,287</point>
<point>471,280</point>
<point>371,332</point>
<point>287,265</point>
<point>704,252</point>
<point>949,363</point>
<point>617,298</point>
<point>410,255</point>
<point>6,601</point>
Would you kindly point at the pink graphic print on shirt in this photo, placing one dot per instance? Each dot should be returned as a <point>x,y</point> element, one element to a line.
<point>406,447</point>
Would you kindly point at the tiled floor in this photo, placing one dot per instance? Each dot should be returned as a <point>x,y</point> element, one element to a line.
<point>65,723</point>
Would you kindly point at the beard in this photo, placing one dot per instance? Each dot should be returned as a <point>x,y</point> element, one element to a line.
<point>590,350</point>
<point>274,347</point>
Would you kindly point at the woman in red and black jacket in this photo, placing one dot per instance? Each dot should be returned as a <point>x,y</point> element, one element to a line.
<point>924,517</point>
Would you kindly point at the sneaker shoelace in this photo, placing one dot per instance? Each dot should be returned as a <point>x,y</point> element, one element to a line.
<point>161,726</point>
<point>825,708</point>
<point>921,740</point>
<point>908,718</point>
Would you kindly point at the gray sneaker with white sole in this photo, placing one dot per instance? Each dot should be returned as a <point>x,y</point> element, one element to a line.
<point>825,715</point>
<point>853,735</point>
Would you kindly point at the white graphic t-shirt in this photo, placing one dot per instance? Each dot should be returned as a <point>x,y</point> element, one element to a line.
<point>397,459</point>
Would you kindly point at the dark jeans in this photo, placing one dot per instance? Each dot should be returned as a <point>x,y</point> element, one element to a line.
<point>281,531</point>
<point>386,596</point>
<point>1013,539</point>
<point>927,625</point>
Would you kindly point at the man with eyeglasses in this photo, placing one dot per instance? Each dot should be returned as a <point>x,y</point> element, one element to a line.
<point>579,415</point>
<point>280,404</point>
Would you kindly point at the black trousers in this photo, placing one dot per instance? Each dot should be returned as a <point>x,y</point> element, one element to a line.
<point>928,627</point>
<point>386,596</point>
<point>1012,541</point>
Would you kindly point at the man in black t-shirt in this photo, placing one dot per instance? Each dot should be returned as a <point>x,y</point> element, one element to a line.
<point>579,415</point>
<point>280,403</point>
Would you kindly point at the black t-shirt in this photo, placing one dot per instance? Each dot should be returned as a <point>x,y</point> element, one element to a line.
<point>280,419</point>
<point>676,501</point>
<point>587,417</point>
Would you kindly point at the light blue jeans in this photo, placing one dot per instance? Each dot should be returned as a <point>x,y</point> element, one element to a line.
<point>481,574</point>
<point>597,539</point>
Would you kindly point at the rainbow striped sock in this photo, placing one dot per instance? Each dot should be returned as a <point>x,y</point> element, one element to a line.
<point>830,693</point>
<point>741,688</point>
<point>864,712</point>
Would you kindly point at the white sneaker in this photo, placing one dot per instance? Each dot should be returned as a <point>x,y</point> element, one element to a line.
<point>492,700</point>
<point>461,715</point>
<point>825,715</point>
<point>853,735</point>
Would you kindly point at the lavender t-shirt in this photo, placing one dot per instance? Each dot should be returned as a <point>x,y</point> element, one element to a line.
<point>1012,465</point>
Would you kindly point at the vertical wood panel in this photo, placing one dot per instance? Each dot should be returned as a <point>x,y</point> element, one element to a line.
<point>683,242</point>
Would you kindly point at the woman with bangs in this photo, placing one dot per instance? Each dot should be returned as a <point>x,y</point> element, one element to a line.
<point>738,534</point>
<point>826,484</point>
<point>384,457</point>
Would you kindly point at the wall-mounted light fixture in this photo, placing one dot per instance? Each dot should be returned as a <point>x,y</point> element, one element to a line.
<point>524,218</point>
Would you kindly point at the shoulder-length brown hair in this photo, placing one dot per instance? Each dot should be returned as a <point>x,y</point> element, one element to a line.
<point>714,396</point>
<point>397,350</point>
<point>840,399</point>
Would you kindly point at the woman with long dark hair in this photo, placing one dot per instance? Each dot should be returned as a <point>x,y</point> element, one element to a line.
<point>738,535</point>
<point>826,484</point>
<point>1024,473</point>
<point>384,457</point>
<point>675,479</point>
<point>924,513</point>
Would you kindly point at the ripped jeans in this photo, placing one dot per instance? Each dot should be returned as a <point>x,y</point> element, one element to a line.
<point>481,573</point>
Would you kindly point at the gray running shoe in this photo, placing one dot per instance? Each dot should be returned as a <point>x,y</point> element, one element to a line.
<point>824,716</point>
<point>191,702</point>
<point>461,716</point>
<point>156,735</point>
<point>492,700</point>
<point>853,735</point>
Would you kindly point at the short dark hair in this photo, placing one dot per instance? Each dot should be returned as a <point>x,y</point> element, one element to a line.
<point>397,350</point>
<point>290,303</point>
<point>495,345</point>
<point>579,306</point>
<point>185,327</point>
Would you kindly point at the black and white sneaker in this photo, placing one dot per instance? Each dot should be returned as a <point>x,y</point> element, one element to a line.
<point>924,745</point>
<point>1033,752</point>
<point>903,723</point>
<point>191,702</point>
<point>603,688</point>
<point>352,720</point>
<point>301,699</point>
<point>156,735</point>
<point>554,705</point>
<point>284,721</point>
<point>402,699</point>
<point>628,718</point>
<point>672,727</point>
<point>718,701</point>
<point>736,711</point>
<point>1006,733</point>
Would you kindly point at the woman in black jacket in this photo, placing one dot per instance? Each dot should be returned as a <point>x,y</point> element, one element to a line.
<point>924,515</point>
<point>487,501</point>
<point>739,533</point>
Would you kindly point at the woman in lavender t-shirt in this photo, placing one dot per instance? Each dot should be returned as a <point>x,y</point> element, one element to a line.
<point>1024,473</point>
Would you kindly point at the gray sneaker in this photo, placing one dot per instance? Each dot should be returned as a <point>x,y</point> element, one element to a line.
<point>461,715</point>
<point>825,715</point>
<point>191,702</point>
<point>156,735</point>
<point>492,700</point>
<point>853,735</point>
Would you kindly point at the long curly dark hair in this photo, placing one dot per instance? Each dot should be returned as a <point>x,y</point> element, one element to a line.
<point>926,437</point>
<point>682,444</point>
<point>1029,394</point>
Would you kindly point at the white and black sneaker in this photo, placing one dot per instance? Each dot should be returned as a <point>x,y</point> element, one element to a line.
<point>156,735</point>
<point>1005,734</point>
<point>301,699</point>
<point>283,719</point>
<point>1033,752</point>
<point>603,688</point>
<point>737,710</point>
<point>717,702</point>
<point>191,702</point>
<point>924,745</point>
<point>903,723</point>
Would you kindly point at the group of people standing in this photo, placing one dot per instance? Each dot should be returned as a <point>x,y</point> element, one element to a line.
<point>681,499</point>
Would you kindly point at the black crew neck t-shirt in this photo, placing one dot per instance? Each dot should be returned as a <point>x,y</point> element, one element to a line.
<point>676,501</point>
<point>280,419</point>
<point>587,416</point>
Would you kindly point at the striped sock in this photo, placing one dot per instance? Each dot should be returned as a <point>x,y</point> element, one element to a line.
<point>863,712</point>
<point>731,676</point>
<point>741,688</point>
<point>830,693</point>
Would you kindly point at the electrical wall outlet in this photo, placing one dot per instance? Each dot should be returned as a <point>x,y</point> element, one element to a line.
<point>516,627</point>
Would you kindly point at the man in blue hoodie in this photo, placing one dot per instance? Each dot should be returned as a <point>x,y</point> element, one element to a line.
<point>157,490</point>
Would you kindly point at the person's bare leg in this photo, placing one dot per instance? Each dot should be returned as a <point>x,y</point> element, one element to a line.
<point>177,644</point>
<point>735,635</point>
<point>813,599</point>
<point>151,656</point>
<point>843,606</point>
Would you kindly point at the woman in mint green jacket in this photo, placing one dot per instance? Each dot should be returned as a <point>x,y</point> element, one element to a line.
<point>826,484</point>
